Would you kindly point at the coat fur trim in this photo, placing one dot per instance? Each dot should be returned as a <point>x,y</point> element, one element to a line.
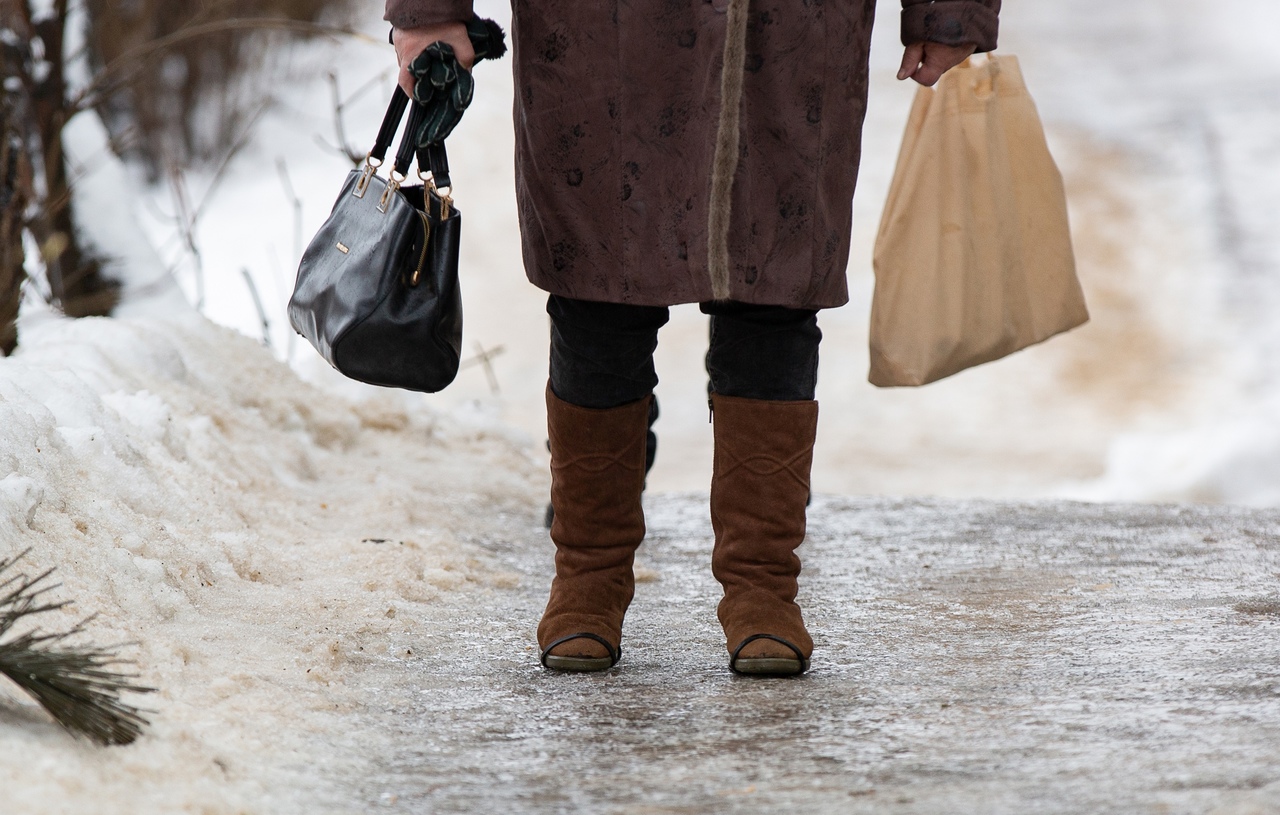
<point>725,164</point>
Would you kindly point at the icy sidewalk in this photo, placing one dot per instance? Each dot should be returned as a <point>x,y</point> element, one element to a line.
<point>338,601</point>
<point>971,657</point>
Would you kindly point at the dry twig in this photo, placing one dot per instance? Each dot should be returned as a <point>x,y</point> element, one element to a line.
<point>257,304</point>
<point>484,358</point>
<point>116,73</point>
<point>344,147</point>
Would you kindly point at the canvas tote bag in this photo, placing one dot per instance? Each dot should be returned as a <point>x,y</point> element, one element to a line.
<point>973,259</point>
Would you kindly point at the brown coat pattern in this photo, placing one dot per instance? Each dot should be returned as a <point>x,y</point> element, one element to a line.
<point>636,185</point>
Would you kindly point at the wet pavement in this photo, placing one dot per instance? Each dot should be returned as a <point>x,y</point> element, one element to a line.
<point>971,657</point>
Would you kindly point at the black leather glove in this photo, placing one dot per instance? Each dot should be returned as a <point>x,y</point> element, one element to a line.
<point>443,86</point>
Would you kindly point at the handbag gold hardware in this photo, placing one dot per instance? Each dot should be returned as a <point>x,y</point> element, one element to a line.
<point>343,248</point>
<point>446,199</point>
<point>393,185</point>
<point>370,170</point>
<point>416,277</point>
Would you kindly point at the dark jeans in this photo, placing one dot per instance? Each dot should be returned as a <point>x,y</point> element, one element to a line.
<point>602,353</point>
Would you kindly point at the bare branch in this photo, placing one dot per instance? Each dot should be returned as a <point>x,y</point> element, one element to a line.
<point>187,218</point>
<point>283,169</point>
<point>239,144</point>
<point>257,303</point>
<point>120,70</point>
<point>484,358</point>
<point>343,146</point>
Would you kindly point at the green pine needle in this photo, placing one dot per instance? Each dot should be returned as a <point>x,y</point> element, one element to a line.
<point>79,685</point>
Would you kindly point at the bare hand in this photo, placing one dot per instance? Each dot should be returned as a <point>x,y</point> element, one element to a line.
<point>410,42</point>
<point>926,62</point>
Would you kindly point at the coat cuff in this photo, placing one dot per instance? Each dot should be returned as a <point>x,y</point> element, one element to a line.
<point>951,22</point>
<point>419,13</point>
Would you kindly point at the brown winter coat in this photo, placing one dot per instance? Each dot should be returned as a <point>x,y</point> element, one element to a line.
<point>637,185</point>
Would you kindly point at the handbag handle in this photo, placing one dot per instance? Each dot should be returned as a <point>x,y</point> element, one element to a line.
<point>408,144</point>
<point>432,157</point>
<point>438,162</point>
<point>390,124</point>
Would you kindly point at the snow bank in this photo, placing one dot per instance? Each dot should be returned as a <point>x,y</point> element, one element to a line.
<point>258,538</point>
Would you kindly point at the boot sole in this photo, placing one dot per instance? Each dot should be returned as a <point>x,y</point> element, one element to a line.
<point>581,664</point>
<point>770,666</point>
<point>577,664</point>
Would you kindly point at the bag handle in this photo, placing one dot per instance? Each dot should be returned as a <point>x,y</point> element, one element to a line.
<point>432,158</point>
<point>408,144</point>
<point>436,159</point>
<point>390,124</point>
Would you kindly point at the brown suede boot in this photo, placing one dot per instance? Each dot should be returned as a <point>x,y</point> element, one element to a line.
<point>597,475</point>
<point>763,454</point>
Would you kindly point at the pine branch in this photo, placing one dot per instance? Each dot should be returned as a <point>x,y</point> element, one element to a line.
<point>79,685</point>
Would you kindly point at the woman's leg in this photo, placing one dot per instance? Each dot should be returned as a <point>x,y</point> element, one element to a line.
<point>602,357</point>
<point>602,353</point>
<point>763,352</point>
<point>598,405</point>
<point>763,364</point>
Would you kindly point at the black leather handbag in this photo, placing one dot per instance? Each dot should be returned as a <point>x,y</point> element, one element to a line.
<point>377,290</point>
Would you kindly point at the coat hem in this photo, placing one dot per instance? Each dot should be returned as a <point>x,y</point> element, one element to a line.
<point>686,298</point>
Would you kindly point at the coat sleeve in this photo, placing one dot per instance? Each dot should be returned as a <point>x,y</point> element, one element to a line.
<point>417,13</point>
<point>950,22</point>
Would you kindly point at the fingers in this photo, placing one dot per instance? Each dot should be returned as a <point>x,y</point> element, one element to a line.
<point>406,81</point>
<point>466,53</point>
<point>911,58</point>
<point>929,73</point>
<point>926,62</point>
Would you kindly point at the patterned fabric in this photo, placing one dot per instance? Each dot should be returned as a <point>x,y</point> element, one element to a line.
<point>951,22</point>
<point>616,114</point>
<point>419,13</point>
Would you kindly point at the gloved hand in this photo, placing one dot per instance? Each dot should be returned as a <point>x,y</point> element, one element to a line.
<point>443,86</point>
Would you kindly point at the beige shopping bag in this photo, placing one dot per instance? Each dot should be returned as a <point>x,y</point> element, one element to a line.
<point>973,260</point>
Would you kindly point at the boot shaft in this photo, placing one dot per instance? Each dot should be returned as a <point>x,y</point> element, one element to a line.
<point>760,482</point>
<point>597,473</point>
